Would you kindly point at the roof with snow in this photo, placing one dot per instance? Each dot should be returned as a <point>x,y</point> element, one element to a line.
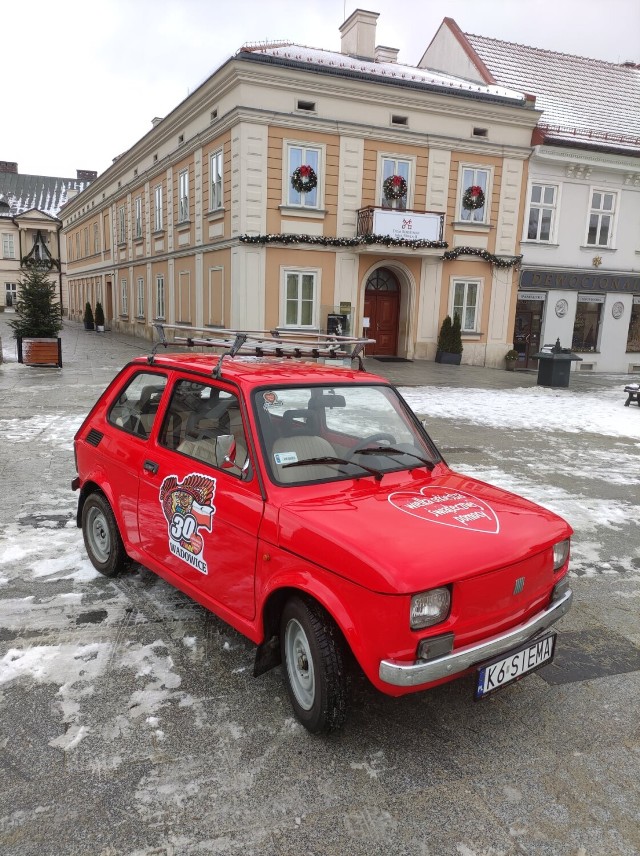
<point>289,54</point>
<point>584,100</point>
<point>43,192</point>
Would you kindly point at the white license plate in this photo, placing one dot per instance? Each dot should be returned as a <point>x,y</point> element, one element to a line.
<point>500,673</point>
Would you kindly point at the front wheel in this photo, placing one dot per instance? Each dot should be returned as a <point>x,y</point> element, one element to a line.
<point>101,536</point>
<point>313,655</point>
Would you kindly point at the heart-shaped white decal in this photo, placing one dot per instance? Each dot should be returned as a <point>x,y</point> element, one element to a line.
<point>449,507</point>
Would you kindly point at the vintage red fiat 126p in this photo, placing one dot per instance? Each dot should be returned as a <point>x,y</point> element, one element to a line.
<point>304,504</point>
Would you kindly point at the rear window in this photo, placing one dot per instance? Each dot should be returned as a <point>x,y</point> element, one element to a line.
<point>135,409</point>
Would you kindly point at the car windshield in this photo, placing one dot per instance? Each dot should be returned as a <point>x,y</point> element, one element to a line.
<point>322,433</point>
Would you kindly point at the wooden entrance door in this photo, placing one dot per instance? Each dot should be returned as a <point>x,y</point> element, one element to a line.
<point>382,308</point>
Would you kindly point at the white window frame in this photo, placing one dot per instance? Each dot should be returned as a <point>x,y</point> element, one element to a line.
<point>462,186</point>
<point>554,206</point>
<point>317,287</point>
<point>216,167</point>
<point>140,296</point>
<point>600,212</point>
<point>138,217</point>
<point>8,246</point>
<point>157,208</point>
<point>466,281</point>
<point>160,297</point>
<point>124,297</point>
<point>287,189</point>
<point>392,205</point>
<point>183,196</point>
<point>122,225</point>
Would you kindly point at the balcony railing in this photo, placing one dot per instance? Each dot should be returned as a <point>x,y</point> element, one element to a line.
<point>401,225</point>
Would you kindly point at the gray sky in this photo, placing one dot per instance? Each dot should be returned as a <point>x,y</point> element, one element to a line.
<point>83,80</point>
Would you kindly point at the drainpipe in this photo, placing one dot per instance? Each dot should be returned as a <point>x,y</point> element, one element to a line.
<point>60,268</point>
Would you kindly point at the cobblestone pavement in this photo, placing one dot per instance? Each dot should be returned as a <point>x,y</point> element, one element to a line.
<point>130,723</point>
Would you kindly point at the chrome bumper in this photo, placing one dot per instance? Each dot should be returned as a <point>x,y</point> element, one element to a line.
<point>403,674</point>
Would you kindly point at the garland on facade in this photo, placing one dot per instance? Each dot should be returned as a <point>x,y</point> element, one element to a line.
<point>473,198</point>
<point>321,241</point>
<point>394,187</point>
<point>498,261</point>
<point>304,179</point>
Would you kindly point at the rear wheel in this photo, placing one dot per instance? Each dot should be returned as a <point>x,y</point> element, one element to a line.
<point>313,655</point>
<point>101,536</point>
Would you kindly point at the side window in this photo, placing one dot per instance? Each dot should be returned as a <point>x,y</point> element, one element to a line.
<point>205,423</point>
<point>135,408</point>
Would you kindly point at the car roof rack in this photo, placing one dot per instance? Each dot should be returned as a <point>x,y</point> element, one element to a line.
<point>267,343</point>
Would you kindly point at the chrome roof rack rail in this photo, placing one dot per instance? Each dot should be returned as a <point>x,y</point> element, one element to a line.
<point>269,343</point>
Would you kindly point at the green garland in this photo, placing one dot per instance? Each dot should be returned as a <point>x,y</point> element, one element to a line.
<point>383,240</point>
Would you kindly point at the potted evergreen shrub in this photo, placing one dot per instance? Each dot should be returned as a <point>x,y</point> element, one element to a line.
<point>99,317</point>
<point>88,317</point>
<point>510,359</point>
<point>449,347</point>
<point>38,320</point>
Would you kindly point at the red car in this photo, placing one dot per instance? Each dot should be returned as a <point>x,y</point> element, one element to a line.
<point>305,505</point>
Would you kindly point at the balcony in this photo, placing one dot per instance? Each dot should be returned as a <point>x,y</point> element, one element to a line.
<point>401,225</point>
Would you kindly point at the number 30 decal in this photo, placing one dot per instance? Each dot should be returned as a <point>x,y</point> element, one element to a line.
<point>183,526</point>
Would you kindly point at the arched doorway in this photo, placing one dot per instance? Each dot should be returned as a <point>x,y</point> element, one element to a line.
<point>382,308</point>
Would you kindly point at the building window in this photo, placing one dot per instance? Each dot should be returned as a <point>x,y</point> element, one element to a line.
<point>215,174</point>
<point>122,226</point>
<point>471,177</point>
<point>124,297</point>
<point>157,208</point>
<point>138,224</point>
<point>601,214</point>
<point>586,326</point>
<point>300,298</point>
<point>466,304</point>
<point>395,166</point>
<point>160,296</point>
<point>86,241</point>
<point>77,245</point>
<point>542,208</point>
<point>10,293</point>
<point>633,336</point>
<point>96,239</point>
<point>8,246</point>
<point>214,298</point>
<point>298,156</point>
<point>183,196</point>
<point>140,297</point>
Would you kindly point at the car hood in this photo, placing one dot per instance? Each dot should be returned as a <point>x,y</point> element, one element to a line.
<point>411,534</point>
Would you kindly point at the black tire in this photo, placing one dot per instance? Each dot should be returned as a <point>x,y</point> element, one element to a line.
<point>101,536</point>
<point>312,651</point>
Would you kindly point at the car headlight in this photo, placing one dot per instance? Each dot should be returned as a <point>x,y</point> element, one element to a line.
<point>560,554</point>
<point>429,607</point>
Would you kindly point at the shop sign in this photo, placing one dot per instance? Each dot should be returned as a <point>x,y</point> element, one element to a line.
<point>532,295</point>
<point>407,226</point>
<point>591,298</point>
<point>579,281</point>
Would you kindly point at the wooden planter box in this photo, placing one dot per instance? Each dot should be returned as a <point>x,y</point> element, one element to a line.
<point>40,352</point>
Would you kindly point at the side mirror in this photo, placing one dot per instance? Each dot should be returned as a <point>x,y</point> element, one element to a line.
<point>226,454</point>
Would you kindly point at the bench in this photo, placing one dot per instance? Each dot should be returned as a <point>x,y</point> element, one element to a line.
<point>633,393</point>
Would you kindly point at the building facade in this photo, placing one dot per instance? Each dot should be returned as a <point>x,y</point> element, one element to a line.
<point>580,275</point>
<point>297,184</point>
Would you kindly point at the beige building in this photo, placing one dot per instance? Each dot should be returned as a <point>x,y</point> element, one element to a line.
<point>295,184</point>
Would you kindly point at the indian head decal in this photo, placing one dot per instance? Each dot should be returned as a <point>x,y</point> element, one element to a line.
<point>449,507</point>
<point>188,508</point>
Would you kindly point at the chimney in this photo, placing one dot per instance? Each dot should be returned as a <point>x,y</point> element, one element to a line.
<point>384,54</point>
<point>8,166</point>
<point>156,121</point>
<point>358,34</point>
<point>86,174</point>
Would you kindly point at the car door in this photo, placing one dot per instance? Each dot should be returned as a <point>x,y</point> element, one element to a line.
<point>200,504</point>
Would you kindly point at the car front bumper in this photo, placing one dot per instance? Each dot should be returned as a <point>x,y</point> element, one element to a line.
<point>403,674</point>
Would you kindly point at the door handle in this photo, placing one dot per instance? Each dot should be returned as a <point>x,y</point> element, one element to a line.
<point>150,467</point>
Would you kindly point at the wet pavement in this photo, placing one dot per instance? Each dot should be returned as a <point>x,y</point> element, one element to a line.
<point>130,723</point>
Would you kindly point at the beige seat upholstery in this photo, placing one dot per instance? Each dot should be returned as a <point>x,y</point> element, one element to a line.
<point>203,450</point>
<point>298,449</point>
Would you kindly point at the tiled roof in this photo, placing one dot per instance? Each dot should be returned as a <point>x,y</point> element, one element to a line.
<point>390,72</point>
<point>46,193</point>
<point>586,100</point>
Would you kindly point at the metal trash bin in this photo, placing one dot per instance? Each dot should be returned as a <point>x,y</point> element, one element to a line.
<point>554,365</point>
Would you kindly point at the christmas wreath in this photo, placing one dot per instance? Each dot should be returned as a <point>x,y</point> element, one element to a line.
<point>304,179</point>
<point>394,187</point>
<point>473,198</point>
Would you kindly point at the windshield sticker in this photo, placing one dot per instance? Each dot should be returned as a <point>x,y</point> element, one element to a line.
<point>285,458</point>
<point>188,508</point>
<point>271,400</point>
<point>448,507</point>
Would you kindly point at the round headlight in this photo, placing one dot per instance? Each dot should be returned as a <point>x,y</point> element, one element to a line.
<point>429,607</point>
<point>560,554</point>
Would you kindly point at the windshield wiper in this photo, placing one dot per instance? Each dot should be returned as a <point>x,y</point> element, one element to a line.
<point>386,450</point>
<point>328,459</point>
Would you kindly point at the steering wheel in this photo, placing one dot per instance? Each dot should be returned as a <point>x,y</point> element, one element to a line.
<point>373,438</point>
